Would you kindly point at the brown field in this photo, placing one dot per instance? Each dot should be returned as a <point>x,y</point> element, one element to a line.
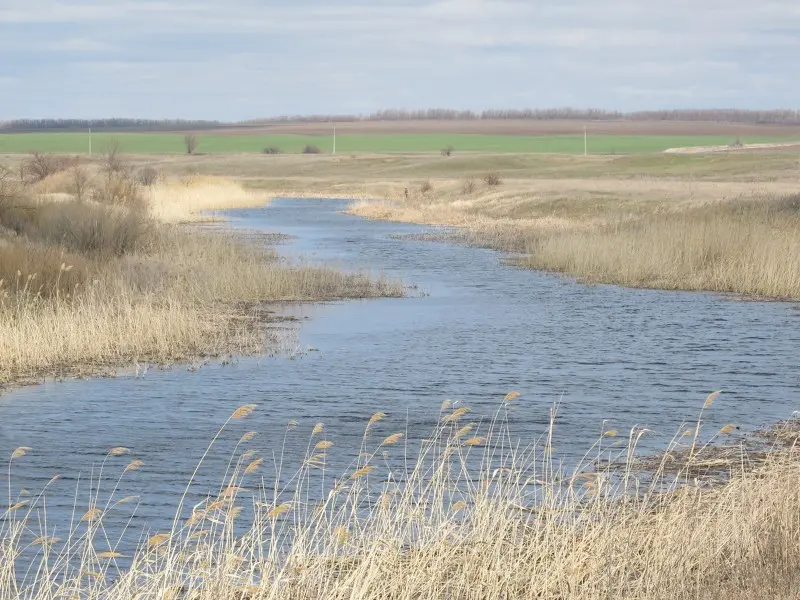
<point>525,127</point>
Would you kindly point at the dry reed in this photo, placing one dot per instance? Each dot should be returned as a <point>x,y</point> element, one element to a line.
<point>750,248</point>
<point>501,521</point>
<point>186,199</point>
<point>87,286</point>
<point>689,236</point>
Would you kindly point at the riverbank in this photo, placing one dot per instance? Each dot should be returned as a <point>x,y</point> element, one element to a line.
<point>724,223</point>
<point>703,237</point>
<point>97,272</point>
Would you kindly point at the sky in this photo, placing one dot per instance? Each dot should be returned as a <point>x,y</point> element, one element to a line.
<point>242,59</point>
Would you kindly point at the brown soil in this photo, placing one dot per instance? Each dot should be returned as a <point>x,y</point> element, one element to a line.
<point>525,127</point>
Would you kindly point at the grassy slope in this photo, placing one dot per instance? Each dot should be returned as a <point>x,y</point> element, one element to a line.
<point>168,143</point>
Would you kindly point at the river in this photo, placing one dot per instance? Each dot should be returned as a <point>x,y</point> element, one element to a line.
<point>472,330</point>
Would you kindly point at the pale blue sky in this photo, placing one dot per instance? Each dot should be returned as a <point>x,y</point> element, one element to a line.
<point>240,59</point>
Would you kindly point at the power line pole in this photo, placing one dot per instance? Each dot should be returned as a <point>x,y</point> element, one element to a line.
<point>90,141</point>
<point>334,138</point>
<point>585,142</point>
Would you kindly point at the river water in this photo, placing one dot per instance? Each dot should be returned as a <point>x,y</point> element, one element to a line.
<point>473,330</point>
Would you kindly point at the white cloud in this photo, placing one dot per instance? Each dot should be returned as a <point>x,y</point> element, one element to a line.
<point>248,58</point>
<point>80,44</point>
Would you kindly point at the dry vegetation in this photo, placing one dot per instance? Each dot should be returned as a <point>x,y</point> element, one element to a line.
<point>95,272</point>
<point>470,515</point>
<point>627,233</point>
<point>659,232</point>
<point>726,223</point>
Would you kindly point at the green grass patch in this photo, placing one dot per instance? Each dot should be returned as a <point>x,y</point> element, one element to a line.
<point>173,143</point>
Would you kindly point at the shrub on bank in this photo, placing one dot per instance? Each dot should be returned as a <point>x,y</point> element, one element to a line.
<point>99,230</point>
<point>41,165</point>
<point>147,176</point>
<point>492,179</point>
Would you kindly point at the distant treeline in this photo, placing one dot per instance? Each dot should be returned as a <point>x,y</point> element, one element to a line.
<point>776,117</point>
<point>113,124</point>
<point>783,116</point>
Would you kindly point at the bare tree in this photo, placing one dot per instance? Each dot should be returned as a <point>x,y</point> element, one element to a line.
<point>190,140</point>
<point>112,161</point>
<point>41,165</point>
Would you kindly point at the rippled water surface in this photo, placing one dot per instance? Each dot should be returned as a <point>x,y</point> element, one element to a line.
<point>479,330</point>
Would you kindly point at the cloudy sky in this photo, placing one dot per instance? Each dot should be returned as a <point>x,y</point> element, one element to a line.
<point>240,59</point>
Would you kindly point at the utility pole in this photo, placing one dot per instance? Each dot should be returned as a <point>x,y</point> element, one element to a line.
<point>585,142</point>
<point>90,141</point>
<point>334,138</point>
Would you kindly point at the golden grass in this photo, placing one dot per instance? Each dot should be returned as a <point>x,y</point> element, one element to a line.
<point>171,294</point>
<point>100,331</point>
<point>190,298</point>
<point>711,249</point>
<point>500,521</point>
<point>185,199</point>
<point>722,237</point>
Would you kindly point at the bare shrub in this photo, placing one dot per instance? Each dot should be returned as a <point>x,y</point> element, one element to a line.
<point>426,187</point>
<point>112,160</point>
<point>80,183</point>
<point>492,179</point>
<point>448,150</point>
<point>16,205</point>
<point>311,149</point>
<point>93,229</point>
<point>272,150</point>
<point>120,189</point>
<point>41,165</point>
<point>9,187</point>
<point>147,176</point>
<point>468,187</point>
<point>190,141</point>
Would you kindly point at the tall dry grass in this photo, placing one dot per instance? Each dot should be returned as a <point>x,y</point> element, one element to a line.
<point>471,514</point>
<point>198,294</point>
<point>89,284</point>
<point>701,236</point>
<point>748,248</point>
<point>185,199</point>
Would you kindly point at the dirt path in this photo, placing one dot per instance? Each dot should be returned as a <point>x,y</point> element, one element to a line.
<point>743,147</point>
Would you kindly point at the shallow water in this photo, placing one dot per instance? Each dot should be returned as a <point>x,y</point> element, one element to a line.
<point>478,330</point>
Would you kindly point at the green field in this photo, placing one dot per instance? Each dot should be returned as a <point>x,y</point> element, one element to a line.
<point>172,143</point>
